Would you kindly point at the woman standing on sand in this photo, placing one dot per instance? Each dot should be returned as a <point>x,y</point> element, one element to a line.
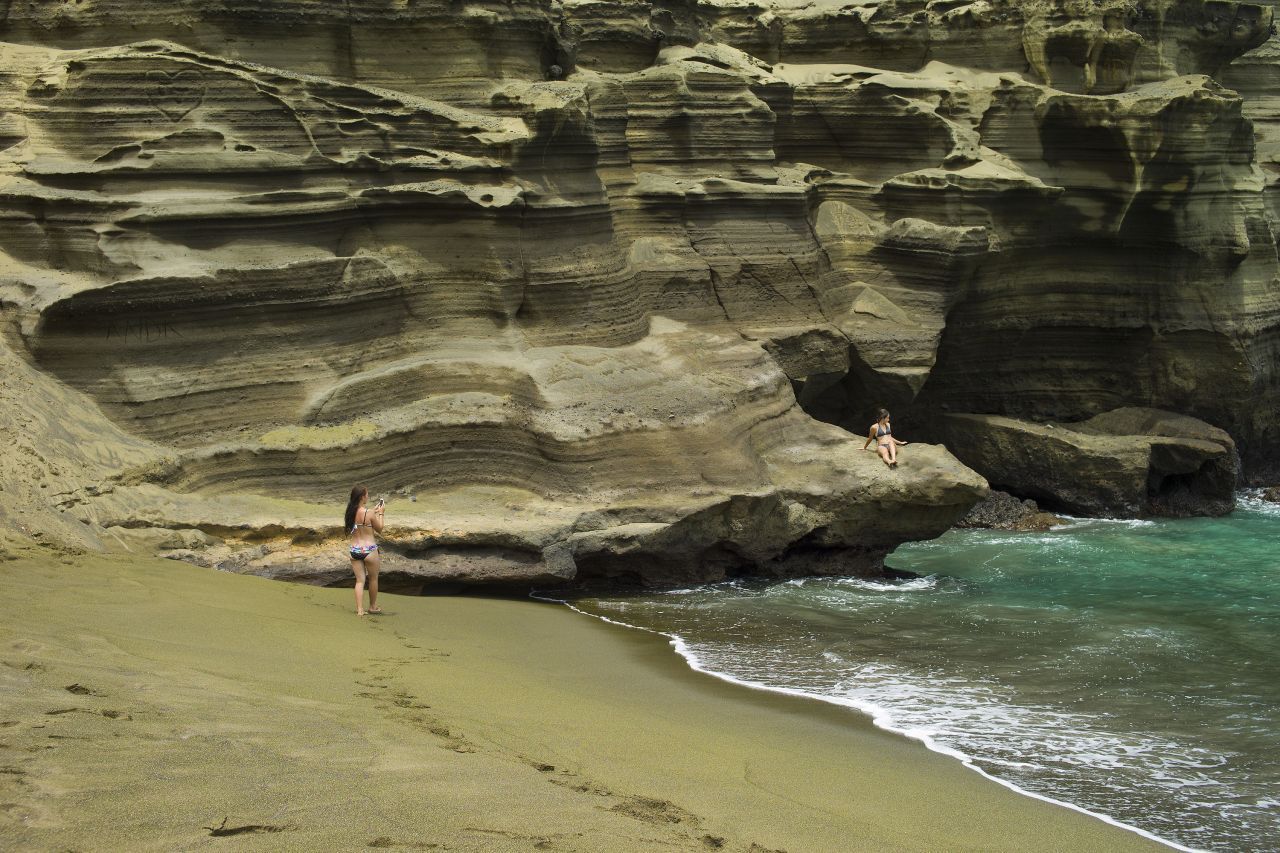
<point>886,445</point>
<point>361,523</point>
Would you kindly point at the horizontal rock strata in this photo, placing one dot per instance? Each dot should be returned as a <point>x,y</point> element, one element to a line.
<point>619,261</point>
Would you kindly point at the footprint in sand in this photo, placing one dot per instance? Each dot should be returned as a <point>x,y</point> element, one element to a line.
<point>28,666</point>
<point>651,810</point>
<point>383,841</point>
<point>109,714</point>
<point>538,842</point>
<point>395,704</point>
<point>246,829</point>
<point>646,809</point>
<point>407,700</point>
<point>81,690</point>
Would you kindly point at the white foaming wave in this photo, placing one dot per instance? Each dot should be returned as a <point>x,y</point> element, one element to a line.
<point>1075,522</point>
<point>684,591</point>
<point>606,604</point>
<point>1251,499</point>
<point>869,584</point>
<point>1166,640</point>
<point>737,584</point>
<point>882,717</point>
<point>912,585</point>
<point>1052,539</point>
<point>890,718</point>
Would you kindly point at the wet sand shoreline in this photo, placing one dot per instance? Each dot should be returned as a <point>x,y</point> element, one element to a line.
<point>147,701</point>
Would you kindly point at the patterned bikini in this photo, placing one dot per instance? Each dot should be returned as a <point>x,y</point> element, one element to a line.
<point>359,552</point>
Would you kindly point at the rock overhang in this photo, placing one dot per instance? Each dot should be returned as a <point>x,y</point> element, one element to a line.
<point>770,199</point>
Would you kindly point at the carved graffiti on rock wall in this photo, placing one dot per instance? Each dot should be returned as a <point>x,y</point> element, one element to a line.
<point>176,94</point>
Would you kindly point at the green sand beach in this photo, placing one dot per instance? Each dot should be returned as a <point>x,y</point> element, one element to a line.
<point>152,705</point>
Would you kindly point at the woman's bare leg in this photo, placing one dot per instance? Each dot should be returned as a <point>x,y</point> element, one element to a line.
<point>893,454</point>
<point>358,567</point>
<point>372,563</point>
<point>883,450</point>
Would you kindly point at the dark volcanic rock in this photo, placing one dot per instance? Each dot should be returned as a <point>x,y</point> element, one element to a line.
<point>1002,511</point>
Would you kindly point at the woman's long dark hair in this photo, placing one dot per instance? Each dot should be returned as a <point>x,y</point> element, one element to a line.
<point>357,492</point>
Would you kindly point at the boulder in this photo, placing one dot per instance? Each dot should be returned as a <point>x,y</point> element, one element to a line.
<point>1002,511</point>
<point>1126,463</point>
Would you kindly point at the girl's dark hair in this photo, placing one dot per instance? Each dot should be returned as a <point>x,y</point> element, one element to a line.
<point>357,492</point>
<point>882,414</point>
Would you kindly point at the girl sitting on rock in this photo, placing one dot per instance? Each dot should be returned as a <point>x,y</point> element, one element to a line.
<point>886,445</point>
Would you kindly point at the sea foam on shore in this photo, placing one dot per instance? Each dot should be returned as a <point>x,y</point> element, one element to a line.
<point>1125,668</point>
<point>150,704</point>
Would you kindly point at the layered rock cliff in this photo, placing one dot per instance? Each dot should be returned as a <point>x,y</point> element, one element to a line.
<point>585,279</point>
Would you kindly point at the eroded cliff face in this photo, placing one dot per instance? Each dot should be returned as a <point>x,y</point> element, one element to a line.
<point>585,279</point>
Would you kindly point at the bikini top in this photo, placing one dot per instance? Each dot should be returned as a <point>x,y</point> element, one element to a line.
<point>366,521</point>
<point>882,431</point>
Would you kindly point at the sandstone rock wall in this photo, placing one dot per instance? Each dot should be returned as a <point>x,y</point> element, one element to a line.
<point>613,261</point>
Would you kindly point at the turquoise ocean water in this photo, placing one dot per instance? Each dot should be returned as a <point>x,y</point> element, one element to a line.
<point>1129,668</point>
